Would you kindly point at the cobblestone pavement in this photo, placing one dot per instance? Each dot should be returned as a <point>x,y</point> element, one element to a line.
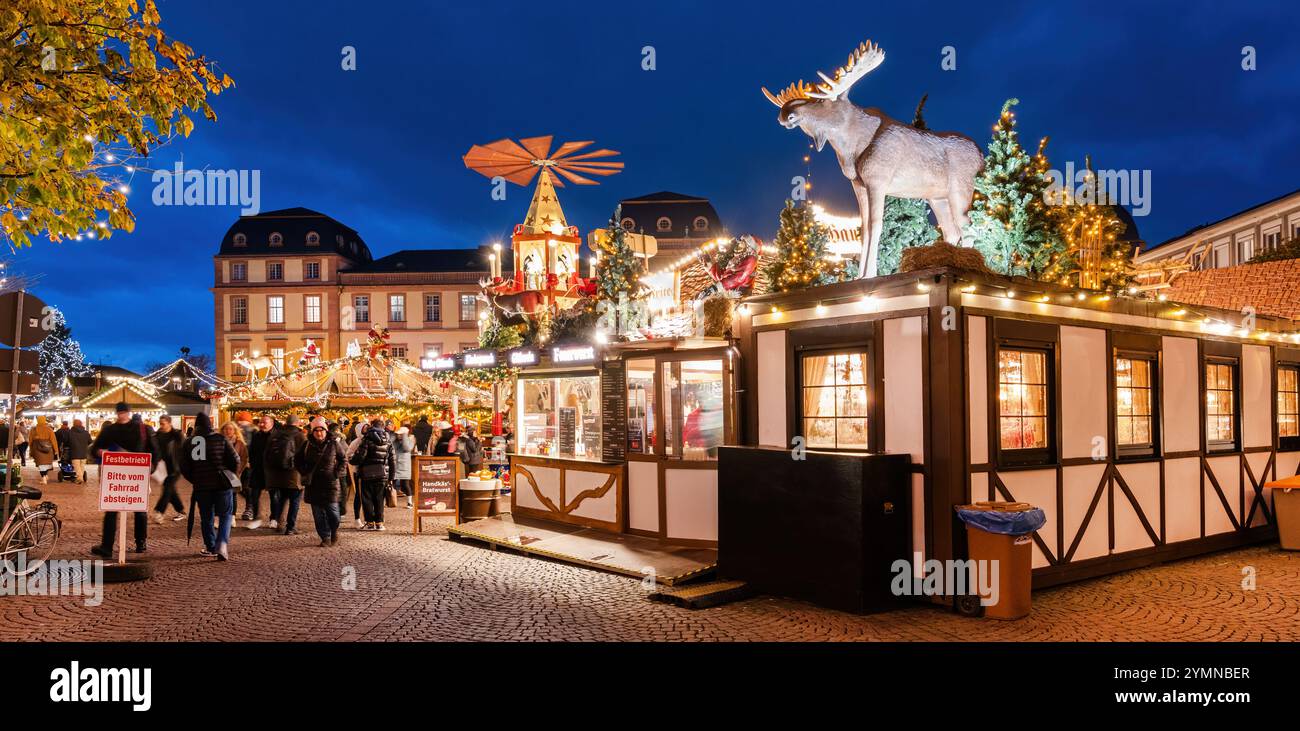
<point>410,588</point>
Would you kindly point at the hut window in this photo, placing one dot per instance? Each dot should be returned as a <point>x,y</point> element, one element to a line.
<point>1135,405</point>
<point>1221,405</point>
<point>1023,402</point>
<point>641,406</point>
<point>834,400</point>
<point>692,403</point>
<point>1288,406</point>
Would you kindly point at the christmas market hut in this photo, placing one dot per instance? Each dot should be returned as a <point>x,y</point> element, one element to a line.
<point>1144,429</point>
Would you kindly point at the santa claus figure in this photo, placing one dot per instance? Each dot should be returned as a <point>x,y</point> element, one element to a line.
<point>310,353</point>
<point>377,345</point>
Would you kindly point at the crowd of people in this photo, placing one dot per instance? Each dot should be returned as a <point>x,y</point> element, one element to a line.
<point>365,462</point>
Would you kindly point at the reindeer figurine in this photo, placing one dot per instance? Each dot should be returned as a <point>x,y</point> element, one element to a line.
<point>882,156</point>
<point>255,364</point>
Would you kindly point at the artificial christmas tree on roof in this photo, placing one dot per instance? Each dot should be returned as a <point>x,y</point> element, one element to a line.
<point>1092,257</point>
<point>801,242</point>
<point>1010,221</point>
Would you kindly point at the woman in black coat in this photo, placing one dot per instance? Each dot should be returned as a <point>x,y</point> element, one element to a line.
<point>322,465</point>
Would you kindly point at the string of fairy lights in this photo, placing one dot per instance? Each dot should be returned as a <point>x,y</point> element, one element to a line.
<point>1211,321</point>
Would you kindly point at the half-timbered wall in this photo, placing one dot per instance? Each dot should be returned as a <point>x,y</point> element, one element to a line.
<point>1180,501</point>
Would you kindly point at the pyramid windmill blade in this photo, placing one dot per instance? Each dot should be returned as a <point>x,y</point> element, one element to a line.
<point>569,148</point>
<point>604,172</point>
<point>538,147</point>
<point>592,155</point>
<point>574,178</point>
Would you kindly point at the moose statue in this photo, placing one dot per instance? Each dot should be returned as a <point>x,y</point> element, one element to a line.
<point>880,155</point>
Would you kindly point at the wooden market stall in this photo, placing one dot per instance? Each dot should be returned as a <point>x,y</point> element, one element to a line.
<point>1145,430</point>
<point>625,438</point>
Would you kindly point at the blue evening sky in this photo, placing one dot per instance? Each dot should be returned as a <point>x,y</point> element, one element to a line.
<point>1153,86</point>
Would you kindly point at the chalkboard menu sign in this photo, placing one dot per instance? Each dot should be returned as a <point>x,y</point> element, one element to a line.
<point>613,411</point>
<point>437,487</point>
<point>568,431</point>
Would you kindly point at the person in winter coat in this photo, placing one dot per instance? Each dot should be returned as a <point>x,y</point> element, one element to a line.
<point>61,439</point>
<point>375,461</point>
<point>470,450</point>
<point>233,434</point>
<point>122,435</point>
<point>282,447</point>
<point>359,430</point>
<point>45,447</point>
<point>322,465</point>
<point>166,441</point>
<point>443,446</point>
<point>203,459</point>
<point>78,449</point>
<point>20,440</point>
<point>403,446</point>
<point>423,433</point>
<point>257,471</point>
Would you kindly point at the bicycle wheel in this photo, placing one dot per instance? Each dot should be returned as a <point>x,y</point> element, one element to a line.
<point>35,537</point>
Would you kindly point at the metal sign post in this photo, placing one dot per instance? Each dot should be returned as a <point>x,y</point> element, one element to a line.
<point>13,407</point>
<point>27,330</point>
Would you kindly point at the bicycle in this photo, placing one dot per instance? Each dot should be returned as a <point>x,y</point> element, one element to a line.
<point>30,532</point>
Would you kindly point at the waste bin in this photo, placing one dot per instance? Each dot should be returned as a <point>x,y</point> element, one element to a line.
<point>1286,510</point>
<point>1000,532</point>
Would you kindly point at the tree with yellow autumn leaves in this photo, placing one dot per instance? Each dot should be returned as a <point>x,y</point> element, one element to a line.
<point>88,88</point>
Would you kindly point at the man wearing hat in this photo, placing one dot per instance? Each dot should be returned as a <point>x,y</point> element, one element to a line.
<point>122,435</point>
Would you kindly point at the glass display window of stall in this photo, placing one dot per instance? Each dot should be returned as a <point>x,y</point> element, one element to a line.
<point>559,417</point>
<point>641,406</point>
<point>693,408</point>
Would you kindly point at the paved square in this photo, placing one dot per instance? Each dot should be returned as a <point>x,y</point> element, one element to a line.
<point>427,587</point>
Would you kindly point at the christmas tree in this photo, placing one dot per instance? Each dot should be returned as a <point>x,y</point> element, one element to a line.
<point>906,220</point>
<point>618,270</point>
<point>1009,222</point>
<point>1092,257</point>
<point>800,243</point>
<point>59,356</point>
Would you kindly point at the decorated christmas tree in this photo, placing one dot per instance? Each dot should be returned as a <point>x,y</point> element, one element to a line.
<point>1009,222</point>
<point>59,356</point>
<point>800,259</point>
<point>906,222</point>
<point>618,269</point>
<point>1092,257</point>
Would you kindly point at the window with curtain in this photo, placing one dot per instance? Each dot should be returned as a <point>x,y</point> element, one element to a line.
<point>1023,401</point>
<point>1288,406</point>
<point>1220,405</point>
<point>834,400</point>
<point>1135,405</point>
<point>397,308</point>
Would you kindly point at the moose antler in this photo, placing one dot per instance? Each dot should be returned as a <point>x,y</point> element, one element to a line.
<point>864,58</point>
<point>798,90</point>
